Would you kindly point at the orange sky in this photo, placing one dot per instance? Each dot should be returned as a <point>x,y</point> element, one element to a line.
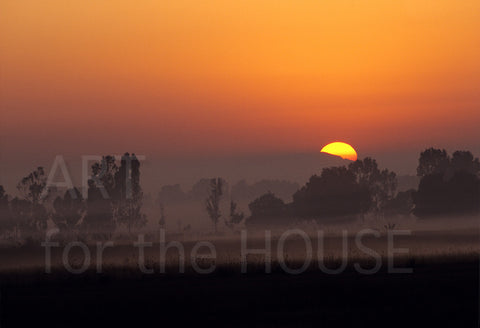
<point>219,76</point>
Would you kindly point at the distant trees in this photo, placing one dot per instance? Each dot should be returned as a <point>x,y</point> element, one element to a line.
<point>203,187</point>
<point>171,194</point>
<point>114,199</point>
<point>282,188</point>
<point>448,185</point>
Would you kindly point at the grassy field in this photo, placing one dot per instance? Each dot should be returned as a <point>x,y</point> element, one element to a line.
<point>441,291</point>
<point>434,295</point>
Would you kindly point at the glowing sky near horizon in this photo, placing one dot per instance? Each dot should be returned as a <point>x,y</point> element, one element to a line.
<point>216,76</point>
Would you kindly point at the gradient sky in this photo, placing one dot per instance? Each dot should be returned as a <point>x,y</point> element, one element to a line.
<point>187,78</point>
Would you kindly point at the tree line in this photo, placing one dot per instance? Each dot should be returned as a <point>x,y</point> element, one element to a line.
<point>114,200</point>
<point>449,186</point>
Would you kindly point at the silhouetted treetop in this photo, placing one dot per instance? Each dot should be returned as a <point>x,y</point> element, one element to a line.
<point>267,209</point>
<point>464,161</point>
<point>346,191</point>
<point>432,161</point>
<point>334,193</point>
<point>32,187</point>
<point>449,186</point>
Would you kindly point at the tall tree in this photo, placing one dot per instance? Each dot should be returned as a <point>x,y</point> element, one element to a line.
<point>99,220</point>
<point>382,184</point>
<point>213,200</point>
<point>235,217</point>
<point>115,195</point>
<point>129,195</point>
<point>103,176</point>
<point>162,220</point>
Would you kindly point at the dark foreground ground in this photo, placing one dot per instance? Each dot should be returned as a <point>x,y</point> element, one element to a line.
<point>435,295</point>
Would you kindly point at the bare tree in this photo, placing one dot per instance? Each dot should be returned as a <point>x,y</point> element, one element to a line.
<point>162,220</point>
<point>213,200</point>
<point>235,217</point>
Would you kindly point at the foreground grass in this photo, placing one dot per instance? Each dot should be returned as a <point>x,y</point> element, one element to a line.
<point>440,292</point>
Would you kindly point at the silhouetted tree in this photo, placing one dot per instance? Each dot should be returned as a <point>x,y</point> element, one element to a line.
<point>128,193</point>
<point>103,176</point>
<point>432,161</point>
<point>100,220</point>
<point>464,161</point>
<point>335,193</point>
<point>162,221</point>
<point>401,204</point>
<point>30,214</point>
<point>267,209</point>
<point>21,216</point>
<point>6,222</point>
<point>382,184</point>
<point>450,186</point>
<point>212,202</point>
<point>33,186</point>
<point>235,218</point>
<point>69,210</point>
<point>114,196</point>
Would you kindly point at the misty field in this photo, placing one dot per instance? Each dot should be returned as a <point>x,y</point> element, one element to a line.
<point>442,289</point>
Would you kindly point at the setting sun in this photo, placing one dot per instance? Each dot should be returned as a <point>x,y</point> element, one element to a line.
<point>341,149</point>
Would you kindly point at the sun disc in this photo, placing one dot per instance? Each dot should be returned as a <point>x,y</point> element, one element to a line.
<point>340,149</point>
